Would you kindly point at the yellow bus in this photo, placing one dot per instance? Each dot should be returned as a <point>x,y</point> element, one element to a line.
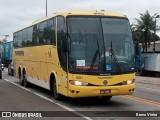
<point>77,54</point>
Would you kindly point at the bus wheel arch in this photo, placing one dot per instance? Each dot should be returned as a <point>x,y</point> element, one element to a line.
<point>53,87</point>
<point>52,78</point>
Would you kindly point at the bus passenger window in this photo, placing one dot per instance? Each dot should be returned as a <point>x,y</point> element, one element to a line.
<point>30,33</point>
<point>42,33</point>
<point>35,40</point>
<point>51,31</point>
<point>19,39</point>
<point>15,39</point>
<point>24,37</point>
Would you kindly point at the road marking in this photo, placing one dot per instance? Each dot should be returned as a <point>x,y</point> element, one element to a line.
<point>48,99</point>
<point>141,100</point>
<point>77,113</point>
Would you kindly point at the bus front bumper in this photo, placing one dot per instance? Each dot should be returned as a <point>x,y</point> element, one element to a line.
<point>96,91</point>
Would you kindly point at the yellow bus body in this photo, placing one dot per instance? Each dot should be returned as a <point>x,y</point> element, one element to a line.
<point>97,81</point>
<point>40,62</point>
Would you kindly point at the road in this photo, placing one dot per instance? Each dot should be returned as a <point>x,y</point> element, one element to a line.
<point>14,97</point>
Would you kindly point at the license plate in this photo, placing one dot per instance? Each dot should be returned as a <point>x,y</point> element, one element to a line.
<point>105,91</point>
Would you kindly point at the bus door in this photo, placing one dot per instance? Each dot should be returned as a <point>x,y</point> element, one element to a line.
<point>62,55</point>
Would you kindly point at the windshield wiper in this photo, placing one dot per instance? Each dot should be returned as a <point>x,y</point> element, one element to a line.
<point>69,42</point>
<point>114,57</point>
<point>95,55</point>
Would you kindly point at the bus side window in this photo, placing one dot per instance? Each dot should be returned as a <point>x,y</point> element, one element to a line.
<point>15,39</point>
<point>19,38</point>
<point>30,33</point>
<point>35,40</point>
<point>42,33</point>
<point>60,34</point>
<point>24,37</point>
<point>51,31</point>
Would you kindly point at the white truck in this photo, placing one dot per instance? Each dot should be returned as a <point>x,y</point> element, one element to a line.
<point>151,60</point>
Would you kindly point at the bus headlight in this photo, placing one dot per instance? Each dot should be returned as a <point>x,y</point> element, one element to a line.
<point>78,83</point>
<point>128,82</point>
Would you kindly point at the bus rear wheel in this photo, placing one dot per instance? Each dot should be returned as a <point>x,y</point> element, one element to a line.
<point>21,79</point>
<point>56,95</point>
<point>26,84</point>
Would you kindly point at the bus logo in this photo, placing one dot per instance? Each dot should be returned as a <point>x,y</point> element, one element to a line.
<point>6,114</point>
<point>105,82</point>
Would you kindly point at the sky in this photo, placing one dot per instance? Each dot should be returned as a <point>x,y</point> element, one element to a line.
<point>16,14</point>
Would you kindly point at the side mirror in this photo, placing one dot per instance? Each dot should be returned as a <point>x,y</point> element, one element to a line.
<point>64,43</point>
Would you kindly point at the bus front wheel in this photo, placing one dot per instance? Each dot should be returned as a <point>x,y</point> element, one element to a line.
<point>56,95</point>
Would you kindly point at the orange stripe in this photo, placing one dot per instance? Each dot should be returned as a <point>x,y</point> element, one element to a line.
<point>141,100</point>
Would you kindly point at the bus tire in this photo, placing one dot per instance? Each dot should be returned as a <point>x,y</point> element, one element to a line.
<point>26,83</point>
<point>8,72</point>
<point>56,95</point>
<point>21,78</point>
<point>12,73</point>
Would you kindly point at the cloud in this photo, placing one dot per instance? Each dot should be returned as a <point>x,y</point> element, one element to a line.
<point>15,14</point>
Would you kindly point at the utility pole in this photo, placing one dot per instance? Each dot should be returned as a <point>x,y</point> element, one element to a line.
<point>46,8</point>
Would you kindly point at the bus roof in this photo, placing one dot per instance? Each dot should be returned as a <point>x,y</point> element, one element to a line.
<point>70,13</point>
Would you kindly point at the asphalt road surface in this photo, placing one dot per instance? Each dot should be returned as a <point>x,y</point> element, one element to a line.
<point>14,97</point>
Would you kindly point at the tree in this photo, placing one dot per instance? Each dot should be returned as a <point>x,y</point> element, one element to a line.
<point>143,30</point>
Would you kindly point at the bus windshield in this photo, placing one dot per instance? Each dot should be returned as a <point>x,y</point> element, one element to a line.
<point>91,40</point>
